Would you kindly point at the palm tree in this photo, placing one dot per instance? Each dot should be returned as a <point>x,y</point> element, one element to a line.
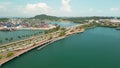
<point>40,32</point>
<point>6,39</point>
<point>11,39</point>
<point>1,41</point>
<point>19,37</point>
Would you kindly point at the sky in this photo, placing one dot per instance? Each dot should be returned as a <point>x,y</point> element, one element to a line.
<point>72,8</point>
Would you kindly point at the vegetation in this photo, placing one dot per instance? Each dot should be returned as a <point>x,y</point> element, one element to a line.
<point>1,56</point>
<point>88,25</point>
<point>104,25</point>
<point>94,24</point>
<point>6,39</point>
<point>10,54</point>
<point>44,18</point>
<point>52,30</point>
<point>19,36</point>
<point>62,33</point>
<point>72,19</point>
<point>3,19</point>
<point>62,29</point>
<point>11,38</point>
<point>1,41</point>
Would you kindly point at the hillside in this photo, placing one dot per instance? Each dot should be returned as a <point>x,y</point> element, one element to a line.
<point>46,17</point>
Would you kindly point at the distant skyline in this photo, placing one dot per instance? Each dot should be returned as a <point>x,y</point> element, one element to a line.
<point>72,8</point>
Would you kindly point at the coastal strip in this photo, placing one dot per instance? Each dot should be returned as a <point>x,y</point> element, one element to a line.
<point>20,52</point>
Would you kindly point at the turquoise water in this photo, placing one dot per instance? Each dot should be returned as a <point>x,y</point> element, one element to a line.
<point>26,33</point>
<point>17,35</point>
<point>63,24</point>
<point>95,48</point>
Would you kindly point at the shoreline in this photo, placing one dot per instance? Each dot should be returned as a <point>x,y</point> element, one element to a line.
<point>20,52</point>
<point>52,41</point>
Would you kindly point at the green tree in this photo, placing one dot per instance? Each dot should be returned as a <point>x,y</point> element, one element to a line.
<point>19,37</point>
<point>1,41</point>
<point>6,39</point>
<point>11,39</point>
<point>63,29</point>
<point>62,33</point>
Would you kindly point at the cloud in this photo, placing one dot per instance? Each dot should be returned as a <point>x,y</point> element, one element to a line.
<point>65,6</point>
<point>115,9</point>
<point>32,9</point>
<point>28,10</point>
<point>1,7</point>
<point>39,8</point>
<point>91,9</point>
<point>100,11</point>
<point>43,8</point>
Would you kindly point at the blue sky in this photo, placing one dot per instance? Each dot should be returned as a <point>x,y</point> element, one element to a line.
<point>29,8</point>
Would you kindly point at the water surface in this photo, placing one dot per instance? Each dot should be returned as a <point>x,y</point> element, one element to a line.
<point>95,48</point>
<point>5,37</point>
<point>63,24</point>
